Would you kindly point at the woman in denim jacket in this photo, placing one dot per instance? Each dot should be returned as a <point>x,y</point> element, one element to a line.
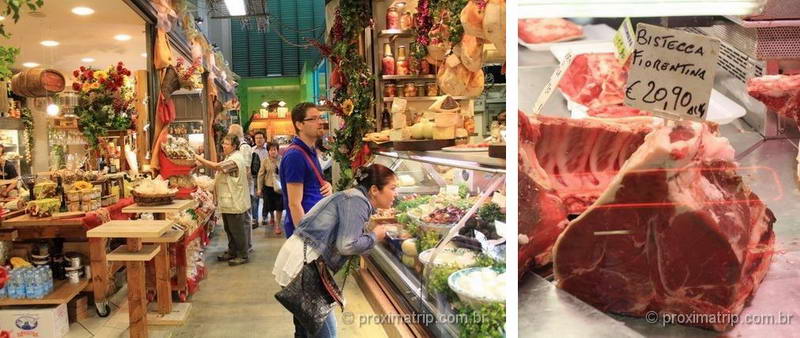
<point>334,231</point>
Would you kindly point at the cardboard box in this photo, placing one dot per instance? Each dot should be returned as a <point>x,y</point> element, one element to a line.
<point>35,322</point>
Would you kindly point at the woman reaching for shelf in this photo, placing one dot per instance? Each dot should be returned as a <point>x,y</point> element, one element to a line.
<point>333,231</point>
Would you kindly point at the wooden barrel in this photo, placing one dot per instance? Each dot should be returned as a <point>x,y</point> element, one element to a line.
<point>38,82</point>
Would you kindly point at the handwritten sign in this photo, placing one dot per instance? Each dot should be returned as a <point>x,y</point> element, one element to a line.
<point>551,86</point>
<point>624,40</point>
<point>672,72</point>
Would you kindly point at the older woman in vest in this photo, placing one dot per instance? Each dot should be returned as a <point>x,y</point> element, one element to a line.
<point>233,198</point>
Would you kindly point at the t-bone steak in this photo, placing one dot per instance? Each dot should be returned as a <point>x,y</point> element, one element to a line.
<point>595,80</point>
<point>564,165</point>
<point>676,231</point>
<point>780,93</point>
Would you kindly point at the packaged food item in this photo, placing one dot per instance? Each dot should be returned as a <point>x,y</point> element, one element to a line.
<point>402,66</point>
<point>388,62</point>
<point>389,90</point>
<point>409,90</point>
<point>431,89</point>
<point>392,18</point>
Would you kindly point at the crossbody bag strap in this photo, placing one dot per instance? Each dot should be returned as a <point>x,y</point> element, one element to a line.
<point>310,163</point>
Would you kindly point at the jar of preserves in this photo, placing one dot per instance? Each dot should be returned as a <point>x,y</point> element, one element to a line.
<point>409,90</point>
<point>388,63</point>
<point>420,89</point>
<point>406,21</point>
<point>432,89</point>
<point>389,90</point>
<point>424,67</point>
<point>392,18</point>
<point>401,66</point>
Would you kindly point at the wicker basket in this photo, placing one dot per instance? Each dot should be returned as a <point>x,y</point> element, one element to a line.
<point>180,162</point>
<point>152,200</point>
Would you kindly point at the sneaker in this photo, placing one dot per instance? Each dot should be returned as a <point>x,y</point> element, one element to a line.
<point>277,230</point>
<point>238,261</point>
<point>255,224</point>
<point>225,257</point>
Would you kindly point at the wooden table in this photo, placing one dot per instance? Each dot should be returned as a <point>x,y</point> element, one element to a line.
<point>162,261</point>
<point>134,254</point>
<point>28,227</point>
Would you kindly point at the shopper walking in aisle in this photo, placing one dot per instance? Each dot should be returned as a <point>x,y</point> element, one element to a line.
<point>333,231</point>
<point>300,172</point>
<point>259,154</point>
<point>232,198</point>
<point>269,188</point>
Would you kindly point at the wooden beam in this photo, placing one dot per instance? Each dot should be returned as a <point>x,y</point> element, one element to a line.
<point>163,287</point>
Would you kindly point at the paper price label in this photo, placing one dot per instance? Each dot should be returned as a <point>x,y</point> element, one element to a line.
<point>624,40</point>
<point>551,86</point>
<point>672,72</point>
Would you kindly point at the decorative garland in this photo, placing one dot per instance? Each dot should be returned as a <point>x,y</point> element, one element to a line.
<point>352,82</point>
<point>434,13</point>
<point>27,135</point>
<point>105,101</point>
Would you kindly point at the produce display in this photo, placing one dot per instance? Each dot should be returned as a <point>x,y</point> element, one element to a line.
<point>481,284</point>
<point>153,186</point>
<point>446,215</point>
<point>43,207</point>
<point>45,189</point>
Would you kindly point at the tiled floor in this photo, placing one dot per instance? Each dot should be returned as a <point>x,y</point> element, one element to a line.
<point>233,302</point>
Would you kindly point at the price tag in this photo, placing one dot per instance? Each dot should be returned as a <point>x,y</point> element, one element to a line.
<point>672,72</point>
<point>623,40</point>
<point>551,86</point>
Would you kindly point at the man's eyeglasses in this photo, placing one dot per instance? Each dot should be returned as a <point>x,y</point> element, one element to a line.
<point>313,119</point>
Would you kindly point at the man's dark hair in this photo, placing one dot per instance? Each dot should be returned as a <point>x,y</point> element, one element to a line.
<point>263,134</point>
<point>299,114</point>
<point>271,145</point>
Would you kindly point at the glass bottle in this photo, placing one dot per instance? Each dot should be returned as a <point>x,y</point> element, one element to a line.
<point>392,18</point>
<point>388,63</point>
<point>386,118</point>
<point>401,68</point>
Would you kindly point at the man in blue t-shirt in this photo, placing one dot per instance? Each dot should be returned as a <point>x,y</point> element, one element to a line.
<point>300,171</point>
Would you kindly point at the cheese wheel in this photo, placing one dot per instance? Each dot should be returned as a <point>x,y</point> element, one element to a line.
<point>444,133</point>
<point>447,120</point>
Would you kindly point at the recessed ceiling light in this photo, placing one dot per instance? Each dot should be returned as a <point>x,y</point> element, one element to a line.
<point>122,37</point>
<point>144,55</point>
<point>87,60</point>
<point>82,11</point>
<point>49,43</point>
<point>30,64</point>
<point>2,18</point>
<point>236,7</point>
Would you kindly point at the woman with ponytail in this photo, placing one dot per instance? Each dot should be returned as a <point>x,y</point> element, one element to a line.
<point>334,231</point>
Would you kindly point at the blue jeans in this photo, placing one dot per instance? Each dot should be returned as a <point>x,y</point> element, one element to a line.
<point>254,208</point>
<point>328,329</point>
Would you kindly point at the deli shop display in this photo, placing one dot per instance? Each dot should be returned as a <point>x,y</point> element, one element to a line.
<point>440,124</point>
<point>658,166</point>
<point>78,157</point>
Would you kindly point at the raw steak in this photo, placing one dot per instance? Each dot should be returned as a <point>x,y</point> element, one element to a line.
<point>581,156</point>
<point>542,215</point>
<point>780,93</point>
<point>676,231</point>
<point>547,30</point>
<point>595,80</point>
<point>564,165</point>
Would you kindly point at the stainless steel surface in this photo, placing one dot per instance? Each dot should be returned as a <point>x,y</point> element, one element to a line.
<point>546,311</point>
<point>410,288</point>
<point>471,161</point>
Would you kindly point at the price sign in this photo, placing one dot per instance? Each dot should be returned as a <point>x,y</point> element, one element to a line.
<point>623,40</point>
<point>551,86</point>
<point>671,72</point>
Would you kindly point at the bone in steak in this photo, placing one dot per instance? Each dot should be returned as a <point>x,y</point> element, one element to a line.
<point>617,111</point>
<point>595,80</point>
<point>676,231</point>
<point>780,93</point>
<point>564,166</point>
<point>547,30</point>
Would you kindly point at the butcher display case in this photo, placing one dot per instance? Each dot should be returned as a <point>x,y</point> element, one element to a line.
<point>761,144</point>
<point>466,191</point>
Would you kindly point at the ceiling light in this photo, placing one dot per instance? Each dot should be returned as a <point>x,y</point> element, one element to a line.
<point>265,104</point>
<point>30,64</point>
<point>87,60</point>
<point>49,43</point>
<point>235,7</point>
<point>282,104</point>
<point>52,109</point>
<point>144,55</point>
<point>2,18</point>
<point>82,11</point>
<point>122,37</point>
